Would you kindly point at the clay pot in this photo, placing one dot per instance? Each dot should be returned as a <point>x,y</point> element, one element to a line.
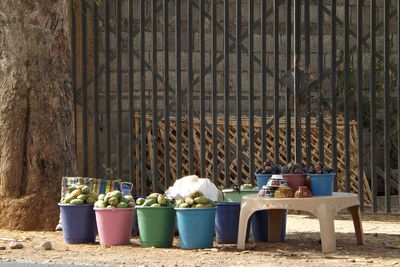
<point>303,192</point>
<point>295,180</point>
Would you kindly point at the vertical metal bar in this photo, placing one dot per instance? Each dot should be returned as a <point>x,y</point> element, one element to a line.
<point>214,89</point>
<point>263,82</point>
<point>226,95</point>
<point>346,88</point>
<point>307,59</point>
<point>276,81</point>
<point>251,89</point>
<point>73,59</point>
<point>119,88</point>
<point>239,91</point>
<point>373,106</point>
<point>190,84</point>
<point>202,92</point>
<point>166,94</point>
<point>178,88</point>
<point>398,96</point>
<point>154,95</point>
<point>333,89</point>
<point>143,157</point>
<point>287,92</point>
<point>96,90</point>
<point>360,104</point>
<point>131,118</point>
<point>296,88</point>
<point>107,85</point>
<point>84,93</point>
<point>320,79</point>
<point>386,103</point>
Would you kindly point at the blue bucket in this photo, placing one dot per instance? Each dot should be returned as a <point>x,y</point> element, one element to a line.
<point>196,227</point>
<point>227,222</point>
<point>259,224</point>
<point>322,184</point>
<point>262,179</point>
<point>79,223</point>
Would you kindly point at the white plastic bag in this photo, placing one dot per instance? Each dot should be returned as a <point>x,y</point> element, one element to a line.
<point>182,187</point>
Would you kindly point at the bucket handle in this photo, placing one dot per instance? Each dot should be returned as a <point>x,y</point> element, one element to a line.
<point>130,185</point>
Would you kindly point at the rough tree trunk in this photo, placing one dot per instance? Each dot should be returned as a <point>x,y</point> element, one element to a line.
<point>36,112</point>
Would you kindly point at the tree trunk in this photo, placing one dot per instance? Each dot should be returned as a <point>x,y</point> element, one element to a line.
<point>36,112</point>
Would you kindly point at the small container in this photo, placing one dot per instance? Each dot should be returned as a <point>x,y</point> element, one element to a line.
<point>284,192</point>
<point>302,192</point>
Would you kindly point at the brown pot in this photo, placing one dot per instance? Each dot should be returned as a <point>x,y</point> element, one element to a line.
<point>295,180</point>
<point>303,192</point>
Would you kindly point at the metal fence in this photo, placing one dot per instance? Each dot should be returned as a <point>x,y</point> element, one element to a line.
<point>169,88</point>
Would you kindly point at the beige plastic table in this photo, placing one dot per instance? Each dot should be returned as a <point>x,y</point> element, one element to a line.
<point>324,208</point>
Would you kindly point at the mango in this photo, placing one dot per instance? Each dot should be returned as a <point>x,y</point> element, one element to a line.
<point>189,201</point>
<point>76,202</point>
<point>122,205</point>
<point>184,205</point>
<point>85,189</point>
<point>155,205</point>
<point>116,193</point>
<point>100,204</point>
<point>140,201</point>
<point>153,195</point>
<point>201,200</point>
<point>83,197</point>
<point>131,204</point>
<point>113,201</point>
<point>149,202</point>
<point>161,200</point>
<point>101,197</point>
<point>90,200</point>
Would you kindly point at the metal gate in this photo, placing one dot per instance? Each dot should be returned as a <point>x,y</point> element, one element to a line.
<point>169,88</point>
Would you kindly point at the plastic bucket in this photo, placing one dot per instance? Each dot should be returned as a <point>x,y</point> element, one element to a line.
<point>295,180</point>
<point>114,225</point>
<point>259,223</point>
<point>79,223</point>
<point>322,184</point>
<point>227,218</point>
<point>262,179</point>
<point>196,227</point>
<point>157,226</point>
<point>231,195</point>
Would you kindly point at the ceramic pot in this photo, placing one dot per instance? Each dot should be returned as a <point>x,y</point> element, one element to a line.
<point>303,192</point>
<point>284,192</point>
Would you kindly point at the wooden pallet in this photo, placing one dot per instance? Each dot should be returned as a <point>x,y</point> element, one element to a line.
<point>219,180</point>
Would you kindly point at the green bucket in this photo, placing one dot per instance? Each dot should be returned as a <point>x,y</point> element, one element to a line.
<point>231,195</point>
<point>156,226</point>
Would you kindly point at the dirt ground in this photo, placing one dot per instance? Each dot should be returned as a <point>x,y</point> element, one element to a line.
<point>301,248</point>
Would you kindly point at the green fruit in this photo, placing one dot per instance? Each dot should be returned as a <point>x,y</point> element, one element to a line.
<point>149,202</point>
<point>179,201</point>
<point>74,194</point>
<point>153,195</point>
<point>246,186</point>
<point>100,204</point>
<point>85,189</point>
<point>200,206</point>
<point>129,198</point>
<point>113,201</point>
<point>201,200</point>
<point>184,205</point>
<point>93,195</point>
<point>101,197</point>
<point>189,201</point>
<point>71,188</point>
<point>140,201</point>
<point>83,197</point>
<point>131,204</point>
<point>76,202</point>
<point>123,199</point>
<point>193,194</point>
<point>90,200</point>
<point>155,205</point>
<point>161,200</point>
<point>122,205</point>
<point>116,193</point>
<point>109,207</point>
<point>107,197</point>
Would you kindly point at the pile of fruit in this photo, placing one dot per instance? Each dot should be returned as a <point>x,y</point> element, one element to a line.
<point>247,187</point>
<point>269,167</point>
<point>114,199</point>
<point>195,199</point>
<point>294,169</point>
<point>320,168</point>
<point>79,194</point>
<point>153,200</point>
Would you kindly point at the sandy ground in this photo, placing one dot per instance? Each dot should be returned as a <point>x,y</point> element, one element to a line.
<point>301,248</point>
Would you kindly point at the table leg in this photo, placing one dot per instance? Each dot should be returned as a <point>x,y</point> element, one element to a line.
<point>275,225</point>
<point>245,213</point>
<point>355,213</point>
<point>327,228</point>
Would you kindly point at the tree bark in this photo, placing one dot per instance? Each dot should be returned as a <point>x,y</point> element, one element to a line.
<point>36,112</point>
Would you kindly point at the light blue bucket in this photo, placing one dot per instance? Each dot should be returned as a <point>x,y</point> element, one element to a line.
<point>196,227</point>
<point>262,179</point>
<point>322,184</point>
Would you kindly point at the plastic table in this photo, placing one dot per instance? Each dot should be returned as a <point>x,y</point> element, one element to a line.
<point>324,208</point>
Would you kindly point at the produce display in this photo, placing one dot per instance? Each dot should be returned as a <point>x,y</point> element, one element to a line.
<point>195,199</point>
<point>269,167</point>
<point>79,194</point>
<point>320,168</point>
<point>247,187</point>
<point>294,169</point>
<point>114,199</point>
<point>153,200</point>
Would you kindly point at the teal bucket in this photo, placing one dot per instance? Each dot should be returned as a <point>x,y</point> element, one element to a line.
<point>196,227</point>
<point>322,184</point>
<point>262,179</point>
